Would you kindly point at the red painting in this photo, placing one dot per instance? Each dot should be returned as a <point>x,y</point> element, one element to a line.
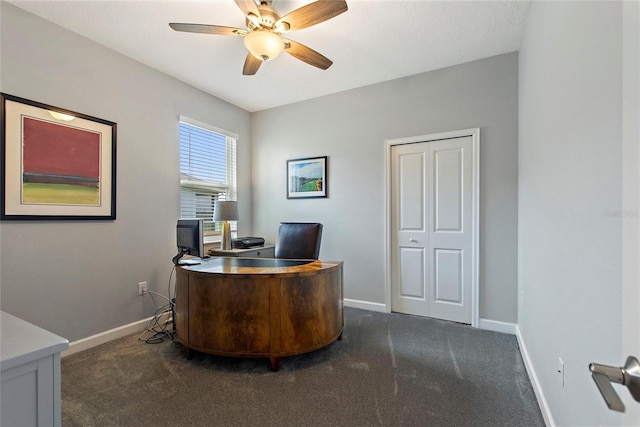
<point>57,152</point>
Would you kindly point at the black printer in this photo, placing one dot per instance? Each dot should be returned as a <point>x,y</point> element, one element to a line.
<point>247,242</point>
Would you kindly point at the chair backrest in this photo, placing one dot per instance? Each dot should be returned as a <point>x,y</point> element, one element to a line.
<point>299,240</point>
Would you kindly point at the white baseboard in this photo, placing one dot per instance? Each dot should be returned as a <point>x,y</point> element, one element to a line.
<point>106,336</point>
<point>491,325</point>
<point>497,326</point>
<point>365,305</point>
<point>535,383</point>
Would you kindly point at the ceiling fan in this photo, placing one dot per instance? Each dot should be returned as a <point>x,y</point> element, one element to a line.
<point>264,28</point>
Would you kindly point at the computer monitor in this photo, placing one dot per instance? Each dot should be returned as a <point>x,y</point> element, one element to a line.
<point>189,238</point>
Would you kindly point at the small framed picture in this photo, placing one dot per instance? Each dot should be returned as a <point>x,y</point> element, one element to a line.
<point>307,178</point>
<point>56,164</point>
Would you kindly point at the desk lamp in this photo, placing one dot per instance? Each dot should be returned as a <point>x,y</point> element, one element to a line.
<point>225,211</point>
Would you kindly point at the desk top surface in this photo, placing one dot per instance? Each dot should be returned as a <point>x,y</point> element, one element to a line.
<point>23,342</point>
<point>259,266</point>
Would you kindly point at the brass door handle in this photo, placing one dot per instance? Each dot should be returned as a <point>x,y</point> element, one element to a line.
<point>628,375</point>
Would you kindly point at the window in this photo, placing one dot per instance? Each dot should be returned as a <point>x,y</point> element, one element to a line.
<point>207,173</point>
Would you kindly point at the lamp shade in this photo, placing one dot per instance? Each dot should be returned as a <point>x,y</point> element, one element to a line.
<point>225,211</point>
<point>263,44</point>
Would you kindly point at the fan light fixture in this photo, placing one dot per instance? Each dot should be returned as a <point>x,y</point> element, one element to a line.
<point>264,27</point>
<point>263,44</point>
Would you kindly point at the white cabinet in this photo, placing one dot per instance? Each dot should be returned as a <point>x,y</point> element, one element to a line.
<point>266,251</point>
<point>30,374</point>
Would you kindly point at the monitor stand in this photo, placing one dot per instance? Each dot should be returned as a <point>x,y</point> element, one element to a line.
<point>176,259</point>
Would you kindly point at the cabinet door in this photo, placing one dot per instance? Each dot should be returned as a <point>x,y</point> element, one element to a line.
<point>30,394</point>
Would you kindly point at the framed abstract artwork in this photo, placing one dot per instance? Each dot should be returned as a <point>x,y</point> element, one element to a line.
<point>307,178</point>
<point>56,164</point>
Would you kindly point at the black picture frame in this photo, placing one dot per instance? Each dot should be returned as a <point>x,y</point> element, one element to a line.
<point>307,178</point>
<point>57,164</point>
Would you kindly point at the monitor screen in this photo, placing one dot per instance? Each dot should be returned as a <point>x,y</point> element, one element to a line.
<point>189,238</point>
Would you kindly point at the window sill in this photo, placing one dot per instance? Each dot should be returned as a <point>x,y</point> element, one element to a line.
<point>207,240</point>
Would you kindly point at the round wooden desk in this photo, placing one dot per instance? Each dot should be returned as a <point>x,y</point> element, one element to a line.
<point>257,307</point>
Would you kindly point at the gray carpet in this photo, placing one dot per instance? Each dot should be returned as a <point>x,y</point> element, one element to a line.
<point>389,370</point>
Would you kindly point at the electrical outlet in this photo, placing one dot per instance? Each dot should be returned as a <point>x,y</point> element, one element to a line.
<point>560,371</point>
<point>142,288</point>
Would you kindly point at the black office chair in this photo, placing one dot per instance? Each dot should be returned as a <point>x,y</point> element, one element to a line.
<point>299,240</point>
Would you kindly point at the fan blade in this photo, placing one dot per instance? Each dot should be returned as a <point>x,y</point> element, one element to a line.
<point>251,65</point>
<point>248,6</point>
<point>312,14</point>
<point>208,29</point>
<point>306,54</point>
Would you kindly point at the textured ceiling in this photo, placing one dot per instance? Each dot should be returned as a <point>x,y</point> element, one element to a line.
<point>374,41</point>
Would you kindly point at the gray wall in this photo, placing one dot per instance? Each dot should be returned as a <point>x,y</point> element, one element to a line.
<point>351,127</point>
<point>89,270</point>
<point>80,278</point>
<point>570,202</point>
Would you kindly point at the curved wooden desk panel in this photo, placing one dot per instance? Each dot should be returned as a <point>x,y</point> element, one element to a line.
<point>230,308</point>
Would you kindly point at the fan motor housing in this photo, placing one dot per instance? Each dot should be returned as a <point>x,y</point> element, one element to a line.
<point>267,19</point>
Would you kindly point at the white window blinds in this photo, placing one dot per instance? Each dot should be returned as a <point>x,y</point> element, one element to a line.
<point>207,171</point>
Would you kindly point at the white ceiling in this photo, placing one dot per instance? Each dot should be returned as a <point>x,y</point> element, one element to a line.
<point>374,41</point>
